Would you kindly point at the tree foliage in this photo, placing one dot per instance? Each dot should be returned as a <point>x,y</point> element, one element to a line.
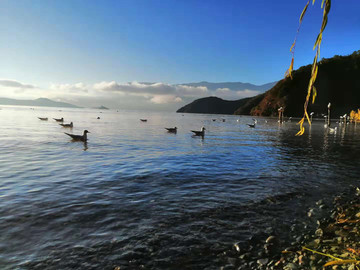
<point>325,5</point>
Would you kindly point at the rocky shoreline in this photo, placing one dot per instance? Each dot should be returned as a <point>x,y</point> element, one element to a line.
<point>332,236</point>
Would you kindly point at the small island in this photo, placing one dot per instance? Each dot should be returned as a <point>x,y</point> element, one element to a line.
<point>102,107</point>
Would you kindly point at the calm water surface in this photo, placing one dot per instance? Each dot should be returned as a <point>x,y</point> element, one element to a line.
<point>140,198</point>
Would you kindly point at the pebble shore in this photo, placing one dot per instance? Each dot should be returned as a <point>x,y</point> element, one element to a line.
<point>334,237</point>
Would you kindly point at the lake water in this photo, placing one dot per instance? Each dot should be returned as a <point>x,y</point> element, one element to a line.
<point>140,198</point>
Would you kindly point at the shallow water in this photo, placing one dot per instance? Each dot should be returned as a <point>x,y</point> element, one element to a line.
<point>138,197</point>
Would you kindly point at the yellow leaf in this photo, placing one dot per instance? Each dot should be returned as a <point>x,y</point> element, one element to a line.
<point>314,94</point>
<point>338,262</point>
<point>322,3</point>
<point>318,40</point>
<point>301,121</point>
<point>301,132</point>
<point>313,1</point>
<point>303,12</point>
<point>314,75</point>
<point>292,46</point>
<point>307,117</point>
<point>288,72</point>
<point>324,254</point>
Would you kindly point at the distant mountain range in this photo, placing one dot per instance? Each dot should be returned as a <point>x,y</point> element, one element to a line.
<point>42,102</point>
<point>235,86</point>
<point>338,82</point>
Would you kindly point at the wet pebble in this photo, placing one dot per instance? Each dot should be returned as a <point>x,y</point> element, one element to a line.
<point>263,261</point>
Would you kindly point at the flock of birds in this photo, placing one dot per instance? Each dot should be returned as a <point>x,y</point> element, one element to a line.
<point>81,138</point>
<point>201,132</point>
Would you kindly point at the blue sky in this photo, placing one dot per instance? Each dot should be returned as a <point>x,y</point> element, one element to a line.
<point>56,45</point>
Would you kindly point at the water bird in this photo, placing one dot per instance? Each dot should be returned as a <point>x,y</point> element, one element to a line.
<point>59,119</point>
<point>43,118</point>
<point>143,120</point>
<point>253,125</point>
<point>172,130</point>
<point>214,120</point>
<point>98,117</point>
<point>199,133</point>
<point>82,138</point>
<point>223,120</point>
<point>67,125</point>
<point>332,130</point>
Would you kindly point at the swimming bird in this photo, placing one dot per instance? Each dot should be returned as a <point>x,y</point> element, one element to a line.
<point>199,133</point>
<point>143,120</point>
<point>43,118</point>
<point>98,117</point>
<point>82,138</point>
<point>253,125</point>
<point>214,120</point>
<point>67,125</point>
<point>172,130</point>
<point>59,119</point>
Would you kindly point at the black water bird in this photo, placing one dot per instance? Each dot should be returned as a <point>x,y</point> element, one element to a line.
<point>143,120</point>
<point>199,133</point>
<point>172,130</point>
<point>43,118</point>
<point>82,138</point>
<point>67,125</point>
<point>59,119</point>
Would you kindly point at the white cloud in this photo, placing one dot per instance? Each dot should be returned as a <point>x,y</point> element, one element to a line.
<point>76,87</point>
<point>15,84</point>
<point>159,93</point>
<point>150,88</point>
<point>226,93</point>
<point>165,99</point>
<point>130,95</point>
